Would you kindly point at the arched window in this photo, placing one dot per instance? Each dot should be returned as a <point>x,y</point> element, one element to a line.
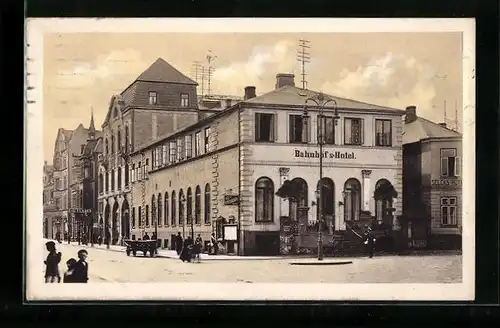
<point>113,180</point>
<point>139,216</point>
<point>189,206</point>
<point>106,147</point>
<point>101,182</point>
<point>133,217</point>
<point>112,143</point>
<point>207,203</point>
<point>119,178</point>
<point>302,201</point>
<point>264,200</point>
<point>384,195</point>
<point>197,205</point>
<point>107,181</point>
<point>165,218</point>
<point>147,215</point>
<point>327,194</point>
<point>352,200</point>
<point>181,207</point>
<point>119,143</point>
<point>153,211</point>
<point>160,209</point>
<point>126,138</point>
<point>173,209</point>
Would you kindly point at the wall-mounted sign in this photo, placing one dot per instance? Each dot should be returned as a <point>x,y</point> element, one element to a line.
<point>325,154</point>
<point>80,210</point>
<point>446,183</point>
<point>231,232</point>
<point>231,200</point>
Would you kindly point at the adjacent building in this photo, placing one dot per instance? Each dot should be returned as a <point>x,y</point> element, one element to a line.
<point>432,183</point>
<point>220,175</point>
<point>49,206</point>
<point>160,101</point>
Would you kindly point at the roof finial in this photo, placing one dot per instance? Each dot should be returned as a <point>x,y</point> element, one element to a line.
<point>91,127</point>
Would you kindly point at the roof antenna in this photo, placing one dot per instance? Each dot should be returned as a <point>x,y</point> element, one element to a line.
<point>304,57</point>
<point>210,58</point>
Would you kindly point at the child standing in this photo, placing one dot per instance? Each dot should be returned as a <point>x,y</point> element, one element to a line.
<point>68,275</point>
<point>52,264</point>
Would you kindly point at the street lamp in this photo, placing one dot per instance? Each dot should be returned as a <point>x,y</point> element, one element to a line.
<point>321,101</point>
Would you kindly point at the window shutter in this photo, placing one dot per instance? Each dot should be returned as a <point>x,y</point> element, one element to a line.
<point>257,126</point>
<point>457,166</point>
<point>444,166</point>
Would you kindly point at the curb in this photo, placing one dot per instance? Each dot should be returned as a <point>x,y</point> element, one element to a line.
<point>321,263</point>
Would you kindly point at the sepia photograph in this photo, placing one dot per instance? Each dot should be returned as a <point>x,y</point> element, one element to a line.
<point>285,159</point>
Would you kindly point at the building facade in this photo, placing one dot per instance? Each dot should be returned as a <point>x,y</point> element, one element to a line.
<point>221,174</point>
<point>159,102</point>
<point>49,206</point>
<point>432,183</point>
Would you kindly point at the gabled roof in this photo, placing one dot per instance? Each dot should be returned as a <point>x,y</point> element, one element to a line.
<point>422,128</point>
<point>293,96</point>
<point>161,71</point>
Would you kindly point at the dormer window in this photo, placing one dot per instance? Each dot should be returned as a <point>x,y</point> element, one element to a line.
<point>153,98</point>
<point>184,100</point>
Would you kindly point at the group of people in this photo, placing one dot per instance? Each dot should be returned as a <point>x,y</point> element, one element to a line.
<point>188,249</point>
<point>77,271</point>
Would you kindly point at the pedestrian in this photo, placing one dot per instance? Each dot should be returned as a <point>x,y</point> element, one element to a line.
<point>187,250</point>
<point>58,237</point>
<point>68,275</point>
<point>198,244</point>
<point>52,263</point>
<point>178,243</point>
<point>146,236</point>
<point>153,237</point>
<point>214,243</point>
<point>107,239</point>
<point>369,242</point>
<point>81,268</point>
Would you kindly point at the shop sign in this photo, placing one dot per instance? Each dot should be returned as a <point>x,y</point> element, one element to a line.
<point>446,183</point>
<point>324,154</point>
<point>230,232</point>
<point>231,200</point>
<point>80,210</point>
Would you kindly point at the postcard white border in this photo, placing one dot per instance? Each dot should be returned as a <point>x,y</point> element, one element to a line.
<point>35,290</point>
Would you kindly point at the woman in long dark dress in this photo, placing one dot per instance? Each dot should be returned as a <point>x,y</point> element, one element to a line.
<point>187,249</point>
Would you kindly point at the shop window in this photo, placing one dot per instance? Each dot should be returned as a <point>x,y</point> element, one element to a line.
<point>448,211</point>
<point>264,127</point>
<point>383,133</point>
<point>264,200</point>
<point>450,162</point>
<point>353,131</point>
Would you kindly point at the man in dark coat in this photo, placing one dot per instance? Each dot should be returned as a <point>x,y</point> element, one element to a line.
<point>52,263</point>
<point>81,268</point>
<point>187,250</point>
<point>178,243</point>
<point>369,242</point>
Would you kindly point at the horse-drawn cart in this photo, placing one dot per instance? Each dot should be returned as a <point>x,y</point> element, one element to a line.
<point>143,246</point>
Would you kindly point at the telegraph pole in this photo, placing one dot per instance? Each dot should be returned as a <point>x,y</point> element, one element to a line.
<point>210,69</point>
<point>304,57</point>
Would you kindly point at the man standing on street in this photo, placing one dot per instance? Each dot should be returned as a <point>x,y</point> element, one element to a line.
<point>369,241</point>
<point>215,244</point>
<point>178,243</point>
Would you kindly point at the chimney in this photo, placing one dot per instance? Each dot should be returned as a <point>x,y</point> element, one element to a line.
<point>411,114</point>
<point>443,125</point>
<point>228,103</point>
<point>283,79</point>
<point>249,92</point>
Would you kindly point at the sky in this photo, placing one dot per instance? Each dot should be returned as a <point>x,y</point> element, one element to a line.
<point>82,71</point>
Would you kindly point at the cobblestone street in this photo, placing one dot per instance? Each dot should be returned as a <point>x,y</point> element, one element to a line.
<point>114,266</point>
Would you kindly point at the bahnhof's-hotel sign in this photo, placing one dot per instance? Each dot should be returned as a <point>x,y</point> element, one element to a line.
<point>324,154</point>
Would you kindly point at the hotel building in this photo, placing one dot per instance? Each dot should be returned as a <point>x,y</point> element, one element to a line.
<point>221,173</point>
<point>432,183</point>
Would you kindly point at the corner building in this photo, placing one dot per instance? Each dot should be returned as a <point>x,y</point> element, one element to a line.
<point>160,101</point>
<point>225,171</point>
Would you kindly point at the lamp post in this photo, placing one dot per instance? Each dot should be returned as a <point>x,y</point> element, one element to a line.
<point>320,100</point>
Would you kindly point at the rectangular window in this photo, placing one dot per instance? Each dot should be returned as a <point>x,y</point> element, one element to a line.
<point>353,131</point>
<point>154,159</point>
<point>112,180</point>
<point>448,211</point>
<point>450,163</point>
<point>173,152</point>
<point>146,214</point>
<point>298,129</point>
<point>383,133</point>
<point>326,130</point>
<point>180,149</point>
<point>184,100</point>
<point>132,173</point>
<point>139,216</point>
<point>197,143</point>
<point>159,155</point>
<point>133,217</point>
<point>189,146</point>
<point>139,171</point>
<point>264,127</point>
<point>153,98</point>
<point>165,154</point>
<point>146,168</point>
<point>207,140</point>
